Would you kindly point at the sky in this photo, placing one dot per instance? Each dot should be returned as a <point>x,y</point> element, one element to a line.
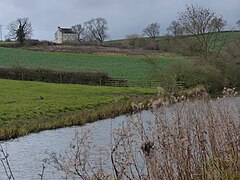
<point>124,17</point>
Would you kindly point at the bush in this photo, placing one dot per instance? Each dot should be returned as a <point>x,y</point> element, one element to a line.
<point>134,41</point>
<point>184,45</point>
<point>229,63</point>
<point>205,74</point>
<point>45,75</point>
<point>190,74</point>
<point>35,42</point>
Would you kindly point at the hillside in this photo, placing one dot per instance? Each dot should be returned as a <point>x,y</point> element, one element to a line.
<point>121,66</point>
<point>229,35</point>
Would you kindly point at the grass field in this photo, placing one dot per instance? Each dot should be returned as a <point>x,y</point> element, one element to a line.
<point>27,107</point>
<point>6,43</point>
<point>20,100</point>
<point>121,66</point>
<point>228,35</point>
<point>22,111</point>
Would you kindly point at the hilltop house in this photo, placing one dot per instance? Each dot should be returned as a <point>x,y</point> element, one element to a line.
<point>65,35</point>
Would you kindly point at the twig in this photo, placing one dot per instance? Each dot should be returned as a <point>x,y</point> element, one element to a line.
<point>6,164</point>
<point>42,173</point>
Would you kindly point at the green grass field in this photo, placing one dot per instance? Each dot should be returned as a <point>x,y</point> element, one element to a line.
<point>22,111</point>
<point>128,67</point>
<point>228,35</point>
<point>20,100</point>
<point>6,43</point>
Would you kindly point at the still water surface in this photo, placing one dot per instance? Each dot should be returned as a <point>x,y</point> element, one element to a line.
<point>26,154</point>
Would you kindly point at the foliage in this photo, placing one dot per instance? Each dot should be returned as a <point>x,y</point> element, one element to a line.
<point>229,63</point>
<point>136,41</point>
<point>133,41</point>
<point>189,73</point>
<point>214,73</point>
<point>195,74</point>
<point>46,75</point>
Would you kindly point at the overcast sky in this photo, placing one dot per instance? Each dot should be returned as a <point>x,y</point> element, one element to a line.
<point>123,16</point>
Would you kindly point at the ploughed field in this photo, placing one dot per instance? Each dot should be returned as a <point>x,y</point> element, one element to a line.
<point>117,66</point>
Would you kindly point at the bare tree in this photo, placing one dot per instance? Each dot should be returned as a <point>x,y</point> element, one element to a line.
<point>238,23</point>
<point>96,29</point>
<point>79,30</point>
<point>175,29</point>
<point>20,29</point>
<point>152,30</point>
<point>203,24</point>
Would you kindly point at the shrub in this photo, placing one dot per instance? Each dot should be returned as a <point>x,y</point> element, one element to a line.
<point>45,75</point>
<point>229,63</point>
<point>190,75</point>
<point>134,41</point>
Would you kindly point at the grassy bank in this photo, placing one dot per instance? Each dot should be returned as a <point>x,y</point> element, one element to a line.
<point>27,107</point>
<point>122,66</point>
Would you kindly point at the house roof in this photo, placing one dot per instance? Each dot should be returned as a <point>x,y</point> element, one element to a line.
<point>66,30</point>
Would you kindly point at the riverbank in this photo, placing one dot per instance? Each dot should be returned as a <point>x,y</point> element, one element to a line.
<point>197,126</point>
<point>29,107</point>
<point>79,118</point>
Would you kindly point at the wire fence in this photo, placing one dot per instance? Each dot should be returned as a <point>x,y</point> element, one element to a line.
<point>118,82</point>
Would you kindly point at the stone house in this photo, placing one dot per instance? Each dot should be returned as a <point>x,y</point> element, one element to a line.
<point>65,35</point>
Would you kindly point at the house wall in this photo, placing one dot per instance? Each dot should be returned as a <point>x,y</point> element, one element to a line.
<point>58,37</point>
<point>61,38</point>
<point>69,38</point>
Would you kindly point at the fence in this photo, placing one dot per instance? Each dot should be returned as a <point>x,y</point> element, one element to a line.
<point>87,78</point>
<point>152,83</point>
<point>118,82</point>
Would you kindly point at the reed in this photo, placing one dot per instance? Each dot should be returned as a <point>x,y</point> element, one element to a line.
<point>189,140</point>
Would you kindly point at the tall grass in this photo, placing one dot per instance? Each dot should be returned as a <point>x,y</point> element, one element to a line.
<point>191,140</point>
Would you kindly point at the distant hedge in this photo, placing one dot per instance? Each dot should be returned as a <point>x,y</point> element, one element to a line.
<point>46,75</point>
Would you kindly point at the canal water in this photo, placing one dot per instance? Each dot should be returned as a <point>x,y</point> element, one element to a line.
<point>26,154</point>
